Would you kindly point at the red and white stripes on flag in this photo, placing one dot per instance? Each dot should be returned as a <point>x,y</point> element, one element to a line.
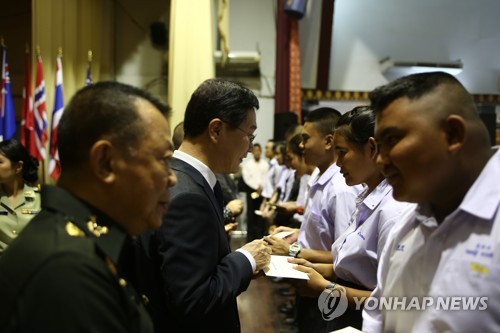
<point>54,164</point>
<point>27,120</point>
<point>40,112</point>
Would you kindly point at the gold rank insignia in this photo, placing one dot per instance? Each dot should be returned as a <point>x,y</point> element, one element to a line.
<point>29,211</point>
<point>111,266</point>
<point>96,229</point>
<point>73,230</point>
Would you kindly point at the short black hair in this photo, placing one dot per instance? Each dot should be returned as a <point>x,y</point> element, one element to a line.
<point>217,98</point>
<point>103,109</point>
<point>294,144</point>
<point>412,86</point>
<point>16,152</point>
<point>178,135</point>
<point>357,125</point>
<point>280,148</point>
<point>324,119</point>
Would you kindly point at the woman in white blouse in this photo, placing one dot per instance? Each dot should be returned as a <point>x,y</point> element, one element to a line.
<point>353,273</point>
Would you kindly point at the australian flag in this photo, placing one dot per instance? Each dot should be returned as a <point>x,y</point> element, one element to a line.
<point>7,115</point>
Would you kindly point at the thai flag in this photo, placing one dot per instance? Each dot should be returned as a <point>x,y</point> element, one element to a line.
<point>7,115</point>
<point>40,112</point>
<point>54,165</point>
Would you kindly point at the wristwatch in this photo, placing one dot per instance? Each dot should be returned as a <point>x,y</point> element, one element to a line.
<point>228,215</point>
<point>294,250</point>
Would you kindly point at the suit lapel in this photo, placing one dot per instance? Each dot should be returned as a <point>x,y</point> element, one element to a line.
<point>182,166</point>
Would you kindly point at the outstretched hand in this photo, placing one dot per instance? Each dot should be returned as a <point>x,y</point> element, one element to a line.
<point>316,283</point>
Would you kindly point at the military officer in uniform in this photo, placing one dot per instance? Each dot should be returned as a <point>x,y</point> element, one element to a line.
<point>19,197</point>
<point>71,269</point>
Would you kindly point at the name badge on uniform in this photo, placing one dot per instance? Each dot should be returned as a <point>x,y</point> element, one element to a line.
<point>29,211</point>
<point>3,212</point>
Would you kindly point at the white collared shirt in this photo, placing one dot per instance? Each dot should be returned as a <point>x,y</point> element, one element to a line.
<point>357,251</point>
<point>458,258</point>
<point>285,184</point>
<point>273,176</point>
<point>198,165</point>
<point>329,207</point>
<point>302,196</point>
<point>254,172</point>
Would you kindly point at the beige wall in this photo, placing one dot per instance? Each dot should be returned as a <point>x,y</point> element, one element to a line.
<point>76,26</point>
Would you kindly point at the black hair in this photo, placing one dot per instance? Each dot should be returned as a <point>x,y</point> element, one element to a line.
<point>324,119</point>
<point>280,147</point>
<point>357,125</point>
<point>412,86</point>
<point>217,98</point>
<point>103,109</point>
<point>15,152</point>
<point>178,135</point>
<point>294,144</point>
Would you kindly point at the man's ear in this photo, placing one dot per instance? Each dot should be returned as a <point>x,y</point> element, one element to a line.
<point>215,129</point>
<point>102,160</point>
<point>328,139</point>
<point>455,132</point>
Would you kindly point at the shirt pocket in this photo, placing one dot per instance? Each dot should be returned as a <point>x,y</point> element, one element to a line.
<point>469,276</point>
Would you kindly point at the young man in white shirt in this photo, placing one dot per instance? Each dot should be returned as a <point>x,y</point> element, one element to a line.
<point>435,151</point>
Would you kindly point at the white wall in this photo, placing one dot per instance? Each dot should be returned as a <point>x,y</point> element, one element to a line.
<point>137,62</point>
<point>365,32</point>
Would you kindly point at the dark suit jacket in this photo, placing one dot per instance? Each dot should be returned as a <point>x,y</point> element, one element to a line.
<point>195,278</point>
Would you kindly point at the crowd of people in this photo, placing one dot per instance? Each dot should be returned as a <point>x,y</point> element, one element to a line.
<point>394,203</point>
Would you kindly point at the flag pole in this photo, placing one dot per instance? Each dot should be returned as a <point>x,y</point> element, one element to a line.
<point>88,75</point>
<point>38,54</point>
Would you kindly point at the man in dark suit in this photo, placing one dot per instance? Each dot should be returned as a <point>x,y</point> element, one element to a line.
<point>69,270</point>
<point>195,278</point>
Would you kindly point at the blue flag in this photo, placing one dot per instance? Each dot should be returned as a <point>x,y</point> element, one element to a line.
<point>7,115</point>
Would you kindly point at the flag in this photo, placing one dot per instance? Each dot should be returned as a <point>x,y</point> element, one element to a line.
<point>88,77</point>
<point>54,165</point>
<point>27,122</point>
<point>7,115</point>
<point>40,115</point>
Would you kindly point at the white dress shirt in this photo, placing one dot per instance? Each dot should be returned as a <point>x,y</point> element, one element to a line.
<point>356,252</point>
<point>330,205</point>
<point>254,172</point>
<point>273,176</point>
<point>285,184</point>
<point>302,196</point>
<point>458,258</point>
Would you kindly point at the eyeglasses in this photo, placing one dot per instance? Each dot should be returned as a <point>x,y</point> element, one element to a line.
<point>251,137</point>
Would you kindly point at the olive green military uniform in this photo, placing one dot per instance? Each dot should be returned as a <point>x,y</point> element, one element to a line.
<point>15,216</point>
<point>66,272</point>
